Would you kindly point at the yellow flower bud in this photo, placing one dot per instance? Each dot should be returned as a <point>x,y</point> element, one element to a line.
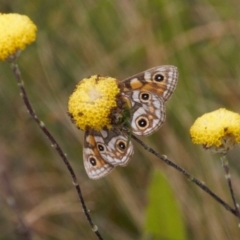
<point>92,101</point>
<point>218,130</point>
<point>16,31</point>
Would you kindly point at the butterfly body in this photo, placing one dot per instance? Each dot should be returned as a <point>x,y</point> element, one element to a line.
<point>141,112</point>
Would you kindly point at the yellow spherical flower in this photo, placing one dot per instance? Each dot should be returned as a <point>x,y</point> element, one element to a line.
<point>92,101</point>
<point>218,130</point>
<point>16,31</point>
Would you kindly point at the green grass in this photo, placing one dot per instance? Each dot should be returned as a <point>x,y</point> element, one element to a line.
<point>120,38</point>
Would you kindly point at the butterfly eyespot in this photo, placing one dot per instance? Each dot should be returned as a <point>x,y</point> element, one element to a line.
<point>142,122</point>
<point>101,147</point>
<point>144,97</point>
<point>158,77</point>
<point>93,161</point>
<point>121,145</point>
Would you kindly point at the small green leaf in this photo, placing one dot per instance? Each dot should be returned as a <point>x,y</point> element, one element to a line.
<point>163,217</point>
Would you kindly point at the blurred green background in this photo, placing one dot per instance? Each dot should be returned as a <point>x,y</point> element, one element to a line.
<point>147,200</point>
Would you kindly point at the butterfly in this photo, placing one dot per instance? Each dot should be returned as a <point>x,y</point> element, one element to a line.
<point>146,94</point>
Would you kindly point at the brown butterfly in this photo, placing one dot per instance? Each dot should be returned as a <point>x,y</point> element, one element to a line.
<point>147,93</point>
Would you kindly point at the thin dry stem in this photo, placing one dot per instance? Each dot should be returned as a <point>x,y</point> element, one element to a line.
<point>229,181</point>
<point>54,144</point>
<point>188,175</point>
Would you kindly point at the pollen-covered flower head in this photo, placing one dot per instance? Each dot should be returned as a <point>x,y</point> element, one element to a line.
<point>218,130</point>
<point>16,31</point>
<point>92,101</point>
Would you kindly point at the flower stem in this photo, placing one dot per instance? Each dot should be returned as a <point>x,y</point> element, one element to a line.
<point>228,177</point>
<point>54,144</point>
<point>186,174</point>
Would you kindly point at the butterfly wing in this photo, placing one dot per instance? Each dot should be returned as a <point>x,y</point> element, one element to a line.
<point>147,112</point>
<point>147,93</point>
<point>95,166</point>
<point>104,150</point>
